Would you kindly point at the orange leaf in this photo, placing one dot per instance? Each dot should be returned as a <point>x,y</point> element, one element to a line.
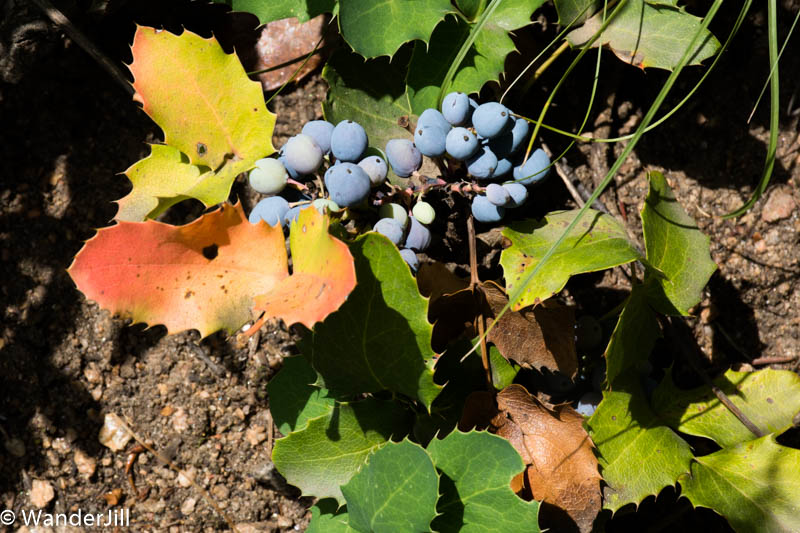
<point>322,278</point>
<point>206,274</point>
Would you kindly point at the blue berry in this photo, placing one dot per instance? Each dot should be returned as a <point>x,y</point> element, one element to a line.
<point>456,109</point>
<point>535,169</point>
<point>348,141</point>
<point>347,184</point>
<point>302,154</point>
<point>432,117</point>
<point>391,229</point>
<point>483,164</point>
<point>376,169</point>
<point>271,210</point>
<point>504,167</point>
<point>461,143</point>
<point>491,119</point>
<point>419,237</point>
<point>410,258</point>
<point>518,193</point>
<point>320,131</point>
<point>292,214</point>
<point>485,211</point>
<point>496,194</point>
<point>404,157</point>
<point>430,140</point>
<point>511,141</point>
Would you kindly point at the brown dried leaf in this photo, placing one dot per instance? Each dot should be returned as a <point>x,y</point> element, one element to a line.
<point>283,40</point>
<point>452,308</point>
<point>534,338</point>
<point>562,468</point>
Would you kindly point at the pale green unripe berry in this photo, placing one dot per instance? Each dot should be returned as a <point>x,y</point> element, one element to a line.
<point>423,211</point>
<point>269,176</point>
<point>394,211</point>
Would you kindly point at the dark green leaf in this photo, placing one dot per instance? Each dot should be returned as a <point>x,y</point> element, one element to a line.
<point>376,29</point>
<point>648,35</point>
<point>471,8</point>
<point>380,339</point>
<point>755,486</point>
<point>634,336</point>
<point>328,517</point>
<point>676,248</point>
<point>395,492</point>
<point>330,449</point>
<point>477,468</point>
<point>576,11</point>
<point>596,243</point>
<point>769,398</point>
<point>293,398</point>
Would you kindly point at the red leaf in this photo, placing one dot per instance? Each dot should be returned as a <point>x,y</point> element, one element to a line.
<point>206,274</point>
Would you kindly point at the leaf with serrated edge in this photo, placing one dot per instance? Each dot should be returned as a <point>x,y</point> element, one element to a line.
<point>159,274</point>
<point>576,11</point>
<point>380,339</point>
<point>293,398</point>
<point>638,457</point>
<point>477,468</point>
<point>227,129</point>
<point>647,35</point>
<point>755,486</point>
<point>325,454</point>
<point>266,12</point>
<point>597,242</point>
<point>395,491</point>
<point>322,277</point>
<point>328,517</point>
<point>376,29</point>
<point>634,336</point>
<point>769,398</point>
<point>484,61</point>
<point>676,247</point>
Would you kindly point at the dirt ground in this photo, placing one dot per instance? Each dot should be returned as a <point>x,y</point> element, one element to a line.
<point>68,131</point>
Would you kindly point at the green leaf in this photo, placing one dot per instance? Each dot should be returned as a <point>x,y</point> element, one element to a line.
<point>755,486</point>
<point>330,449</point>
<point>637,456</point>
<point>376,29</point>
<point>648,35</point>
<point>227,130</point>
<point>380,338</point>
<point>477,468</point>
<point>484,61</point>
<point>396,491</point>
<point>596,243</point>
<point>769,398</point>
<point>634,336</point>
<point>293,398</point>
<point>269,10</point>
<point>675,246</point>
<point>160,180</point>
<point>328,517</point>
<point>503,371</point>
<point>368,92</point>
<point>576,10</point>
<point>471,9</point>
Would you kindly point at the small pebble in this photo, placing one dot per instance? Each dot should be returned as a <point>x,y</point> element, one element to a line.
<point>41,494</point>
<point>779,205</point>
<point>187,507</point>
<point>86,465</point>
<point>112,434</point>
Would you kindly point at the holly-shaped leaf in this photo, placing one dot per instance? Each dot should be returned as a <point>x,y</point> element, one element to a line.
<point>322,277</point>
<point>396,491</point>
<point>331,448</point>
<point>597,242</point>
<point>638,457</point>
<point>634,336</point>
<point>648,34</point>
<point>576,11</point>
<point>477,468</point>
<point>755,486</point>
<point>209,110</point>
<point>376,29</point>
<point>267,11</point>
<point>206,274</point>
<point>380,339</point>
<point>769,398</point>
<point>484,61</point>
<point>676,248</point>
<point>293,398</point>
